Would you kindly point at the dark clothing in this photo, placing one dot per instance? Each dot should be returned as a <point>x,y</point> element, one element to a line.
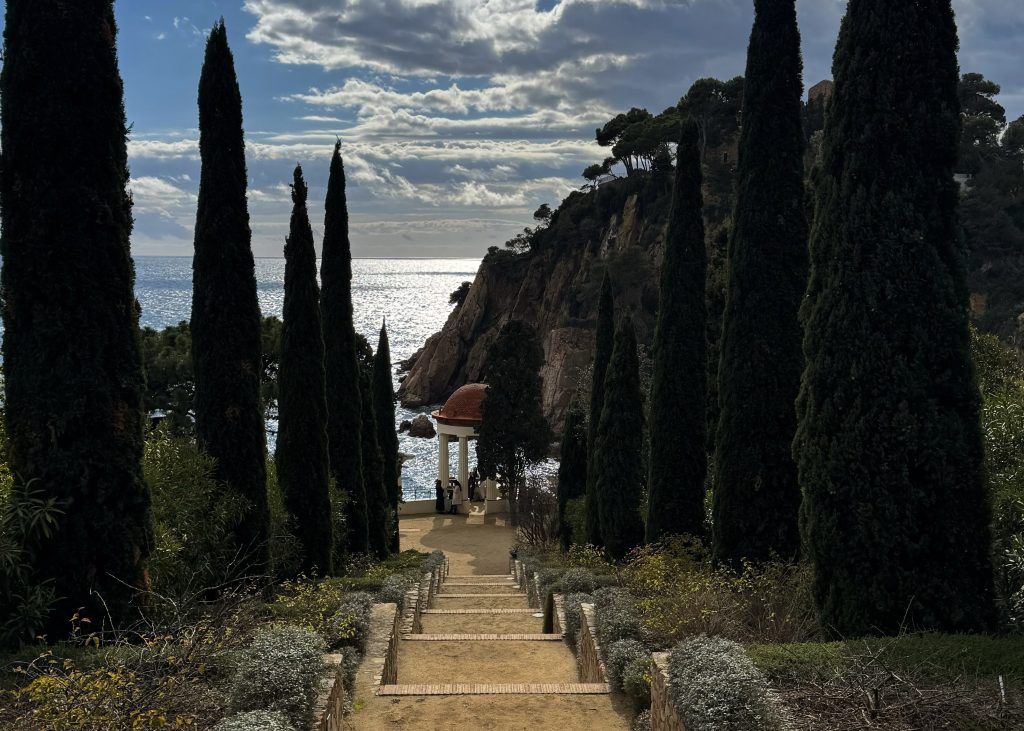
<point>439,497</point>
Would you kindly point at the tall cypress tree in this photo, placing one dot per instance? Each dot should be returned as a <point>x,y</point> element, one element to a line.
<point>226,344</point>
<point>301,455</point>
<point>344,422</point>
<point>603,344</point>
<point>895,515</point>
<point>73,373</point>
<point>618,460</point>
<point>675,502</point>
<point>387,436</point>
<point>377,494</point>
<point>757,496</point>
<point>572,470</point>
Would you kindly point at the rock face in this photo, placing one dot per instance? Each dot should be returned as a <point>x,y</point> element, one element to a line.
<point>422,427</point>
<point>555,289</point>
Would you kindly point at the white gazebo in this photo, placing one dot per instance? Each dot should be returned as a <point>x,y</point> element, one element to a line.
<point>460,419</point>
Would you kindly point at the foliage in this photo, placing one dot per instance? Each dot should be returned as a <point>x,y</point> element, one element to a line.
<point>27,517</point>
<point>636,680</point>
<point>756,492</point>
<point>637,138</point>
<point>621,654</point>
<point>714,106</point>
<point>572,471</point>
<point>300,459</point>
<point>344,420</point>
<point>604,342</point>
<point>72,367</point>
<point>372,459</point>
<point>618,460</point>
<point>256,721</point>
<point>577,581</point>
<point>226,325</point>
<point>575,520</point>
<point>715,687</point>
<point>616,616</point>
<point>678,459</point>
<point>895,514</point>
<point>588,557</point>
<point>285,550</point>
<point>327,607</point>
<point>458,297</point>
<point>513,433</point>
<point>642,722</point>
<point>395,587</point>
<point>279,672</point>
<point>193,518</point>
<point>680,594</point>
<point>387,437</point>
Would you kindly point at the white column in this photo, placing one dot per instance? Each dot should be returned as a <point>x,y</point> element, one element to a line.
<point>442,460</point>
<point>464,466</point>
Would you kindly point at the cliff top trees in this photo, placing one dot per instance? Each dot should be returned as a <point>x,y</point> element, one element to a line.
<point>895,515</point>
<point>387,437</point>
<point>678,421</point>
<point>343,401</point>
<point>301,456</point>
<point>756,494</point>
<point>604,341</point>
<point>513,433</point>
<point>226,346</point>
<point>619,458</point>
<point>72,369</point>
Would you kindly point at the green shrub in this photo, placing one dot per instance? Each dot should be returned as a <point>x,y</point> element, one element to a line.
<point>621,653</point>
<point>280,672</point>
<point>642,722</point>
<point>576,519</point>
<point>255,721</point>
<point>616,616</point>
<point>636,681</point>
<point>578,581</point>
<point>352,621</point>
<point>715,687</point>
<point>340,617</point>
<point>394,588</point>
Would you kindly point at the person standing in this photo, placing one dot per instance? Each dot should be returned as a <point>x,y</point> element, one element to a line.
<point>438,497</point>
<point>456,496</point>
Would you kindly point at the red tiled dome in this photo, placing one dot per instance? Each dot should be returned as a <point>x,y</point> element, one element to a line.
<point>463,407</point>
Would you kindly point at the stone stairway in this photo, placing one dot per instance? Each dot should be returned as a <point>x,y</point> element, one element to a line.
<point>479,637</point>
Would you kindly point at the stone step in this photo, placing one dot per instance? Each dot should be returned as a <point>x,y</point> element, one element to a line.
<point>462,595</point>
<point>482,638</point>
<point>460,577</point>
<point>476,601</point>
<point>479,611</point>
<point>481,583</point>
<point>497,689</point>
<point>485,662</point>
<point>503,624</point>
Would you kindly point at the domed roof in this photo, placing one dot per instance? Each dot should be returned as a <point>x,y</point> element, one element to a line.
<point>463,407</point>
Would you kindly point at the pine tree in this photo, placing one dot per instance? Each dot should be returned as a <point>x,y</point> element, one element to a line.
<point>572,470</point>
<point>757,496</point>
<point>603,344</point>
<point>72,368</point>
<point>895,516</point>
<point>344,422</point>
<point>618,460</point>
<point>387,436</point>
<point>301,455</point>
<point>678,389</point>
<point>226,345</point>
<point>377,494</point>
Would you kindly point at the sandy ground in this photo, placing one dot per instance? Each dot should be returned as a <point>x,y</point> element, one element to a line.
<point>436,624</point>
<point>485,662</point>
<point>513,601</point>
<point>473,545</point>
<point>468,587</point>
<point>494,713</point>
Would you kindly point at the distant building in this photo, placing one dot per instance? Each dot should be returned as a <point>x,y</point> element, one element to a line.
<point>822,90</point>
<point>964,180</point>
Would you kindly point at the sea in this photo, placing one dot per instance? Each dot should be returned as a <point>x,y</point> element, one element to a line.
<point>412,294</point>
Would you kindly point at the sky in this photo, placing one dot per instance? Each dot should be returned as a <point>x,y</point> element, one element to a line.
<point>457,118</point>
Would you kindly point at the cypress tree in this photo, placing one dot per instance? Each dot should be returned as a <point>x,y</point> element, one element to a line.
<point>72,368</point>
<point>387,436</point>
<point>344,422</point>
<point>603,344</point>
<point>618,460</point>
<point>377,494</point>
<point>757,496</point>
<point>895,516</point>
<point>226,344</point>
<point>301,455</point>
<point>572,470</point>
<point>675,503</point>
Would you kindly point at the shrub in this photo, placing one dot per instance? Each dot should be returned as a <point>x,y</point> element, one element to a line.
<point>620,654</point>
<point>642,722</point>
<point>715,687</point>
<point>578,581</point>
<point>576,519</point>
<point>255,721</point>
<point>325,607</point>
<point>573,620</point>
<point>636,681</point>
<point>394,588</point>
<point>352,621</point>
<point>280,672</point>
<point>616,616</point>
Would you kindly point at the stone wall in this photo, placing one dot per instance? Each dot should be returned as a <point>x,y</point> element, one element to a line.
<point>664,716</point>
<point>329,711</point>
<point>558,620</point>
<point>589,664</point>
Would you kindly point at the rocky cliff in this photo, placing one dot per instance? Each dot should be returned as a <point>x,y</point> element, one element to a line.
<point>554,287</point>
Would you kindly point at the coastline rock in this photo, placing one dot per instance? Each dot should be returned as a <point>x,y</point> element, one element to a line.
<point>422,427</point>
<point>405,426</point>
